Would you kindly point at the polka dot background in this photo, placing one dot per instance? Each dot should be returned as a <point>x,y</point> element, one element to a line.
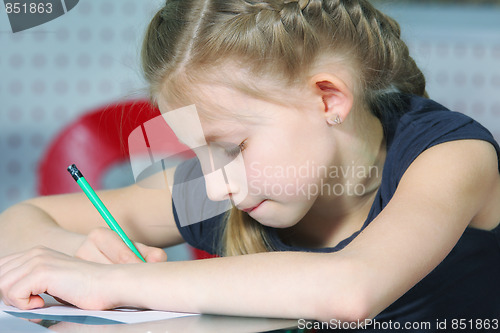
<point>458,49</point>
<point>51,74</point>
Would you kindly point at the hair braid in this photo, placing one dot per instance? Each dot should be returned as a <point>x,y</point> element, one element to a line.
<point>158,53</point>
<point>376,45</point>
<point>386,62</point>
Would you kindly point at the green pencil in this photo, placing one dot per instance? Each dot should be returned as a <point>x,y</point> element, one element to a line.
<point>106,215</point>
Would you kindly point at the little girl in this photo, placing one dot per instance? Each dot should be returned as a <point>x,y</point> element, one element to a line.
<point>354,196</point>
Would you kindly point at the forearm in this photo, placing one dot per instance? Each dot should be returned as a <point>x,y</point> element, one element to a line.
<point>279,284</point>
<point>24,226</point>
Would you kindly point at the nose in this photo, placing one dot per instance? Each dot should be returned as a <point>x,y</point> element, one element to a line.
<point>228,178</point>
<point>219,187</point>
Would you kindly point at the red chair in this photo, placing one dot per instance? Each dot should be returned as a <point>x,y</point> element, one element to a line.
<point>97,141</point>
<point>94,142</point>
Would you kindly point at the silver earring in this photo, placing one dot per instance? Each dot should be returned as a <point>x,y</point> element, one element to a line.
<point>334,121</point>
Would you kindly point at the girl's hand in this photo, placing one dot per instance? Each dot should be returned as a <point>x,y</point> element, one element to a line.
<point>25,275</point>
<point>104,246</point>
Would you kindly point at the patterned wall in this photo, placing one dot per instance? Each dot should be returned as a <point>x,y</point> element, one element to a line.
<point>89,57</point>
<point>458,49</point>
<point>52,73</point>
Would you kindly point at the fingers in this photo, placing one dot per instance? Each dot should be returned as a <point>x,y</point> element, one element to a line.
<point>17,271</point>
<point>14,261</point>
<point>105,246</point>
<point>152,254</point>
<point>116,250</point>
<point>29,302</point>
<point>22,290</point>
<point>8,258</point>
<point>24,284</point>
<point>88,251</point>
<point>8,263</point>
<point>40,270</point>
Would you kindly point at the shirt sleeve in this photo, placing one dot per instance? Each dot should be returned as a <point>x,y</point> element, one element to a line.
<point>419,131</point>
<point>199,220</point>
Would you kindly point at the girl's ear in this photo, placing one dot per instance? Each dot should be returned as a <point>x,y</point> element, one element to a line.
<point>337,97</point>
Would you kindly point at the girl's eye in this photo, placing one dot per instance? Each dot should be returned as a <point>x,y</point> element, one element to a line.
<point>236,150</point>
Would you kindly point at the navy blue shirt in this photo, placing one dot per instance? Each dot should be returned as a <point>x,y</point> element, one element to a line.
<point>466,284</point>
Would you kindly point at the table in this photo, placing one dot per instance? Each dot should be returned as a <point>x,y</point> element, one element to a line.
<point>25,322</point>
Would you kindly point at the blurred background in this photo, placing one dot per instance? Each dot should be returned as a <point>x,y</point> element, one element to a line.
<point>89,57</point>
<point>52,73</point>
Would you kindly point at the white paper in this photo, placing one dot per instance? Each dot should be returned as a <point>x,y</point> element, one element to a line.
<point>128,316</point>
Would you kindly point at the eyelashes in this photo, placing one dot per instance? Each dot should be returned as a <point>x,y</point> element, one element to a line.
<point>236,150</point>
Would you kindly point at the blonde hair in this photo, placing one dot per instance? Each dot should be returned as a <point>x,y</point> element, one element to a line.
<point>189,41</point>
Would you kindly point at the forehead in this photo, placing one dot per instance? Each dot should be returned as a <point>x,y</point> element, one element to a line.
<point>222,90</point>
<point>218,106</point>
<point>216,120</point>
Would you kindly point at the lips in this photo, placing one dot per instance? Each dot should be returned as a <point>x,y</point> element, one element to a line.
<point>248,210</point>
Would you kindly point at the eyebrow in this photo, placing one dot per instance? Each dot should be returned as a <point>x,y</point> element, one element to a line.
<point>209,137</point>
<point>212,137</point>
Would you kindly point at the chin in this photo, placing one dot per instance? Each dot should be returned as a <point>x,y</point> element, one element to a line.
<point>282,222</point>
<point>274,214</point>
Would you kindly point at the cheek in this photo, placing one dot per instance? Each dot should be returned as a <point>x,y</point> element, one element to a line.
<point>283,182</point>
<point>286,167</point>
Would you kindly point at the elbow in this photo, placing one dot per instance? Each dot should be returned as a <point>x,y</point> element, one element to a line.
<point>353,308</point>
<point>348,297</point>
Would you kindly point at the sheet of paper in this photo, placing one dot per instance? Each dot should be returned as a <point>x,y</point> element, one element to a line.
<point>129,316</point>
